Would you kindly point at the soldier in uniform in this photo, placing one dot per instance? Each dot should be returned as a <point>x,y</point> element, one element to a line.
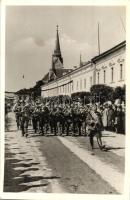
<point>53,120</point>
<point>95,127</point>
<point>61,119</point>
<point>36,117</point>
<point>76,118</point>
<point>25,112</point>
<point>17,109</point>
<point>68,119</point>
<point>44,119</point>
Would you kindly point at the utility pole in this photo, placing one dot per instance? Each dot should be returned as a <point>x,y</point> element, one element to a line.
<point>98,40</point>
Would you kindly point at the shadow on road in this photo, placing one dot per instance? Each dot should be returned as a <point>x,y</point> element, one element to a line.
<point>113,148</point>
<point>16,181</point>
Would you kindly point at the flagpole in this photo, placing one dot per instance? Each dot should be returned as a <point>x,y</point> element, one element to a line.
<point>98,40</point>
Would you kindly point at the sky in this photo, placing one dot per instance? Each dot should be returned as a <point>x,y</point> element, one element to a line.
<point>31,32</point>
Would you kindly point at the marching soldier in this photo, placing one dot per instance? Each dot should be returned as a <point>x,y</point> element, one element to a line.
<point>25,117</point>
<point>36,117</point>
<point>53,120</point>
<point>17,109</point>
<point>95,127</point>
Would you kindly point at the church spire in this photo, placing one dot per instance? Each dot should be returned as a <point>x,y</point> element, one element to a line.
<point>57,47</point>
<point>57,51</point>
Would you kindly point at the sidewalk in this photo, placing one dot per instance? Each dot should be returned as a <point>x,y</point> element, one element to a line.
<point>114,141</point>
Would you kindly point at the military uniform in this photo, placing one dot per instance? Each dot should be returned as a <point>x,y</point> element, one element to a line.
<point>53,120</point>
<point>17,110</point>
<point>25,120</point>
<point>95,127</point>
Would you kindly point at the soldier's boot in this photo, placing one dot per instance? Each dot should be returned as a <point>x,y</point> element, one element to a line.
<point>46,129</point>
<point>74,129</point>
<point>91,142</point>
<point>35,128</point>
<point>62,129</point>
<point>23,132</point>
<point>43,129</point>
<point>55,130</point>
<point>43,133</point>
<point>99,141</point>
<point>67,131</point>
<point>85,132</point>
<point>51,129</point>
<point>17,125</point>
<point>79,130</point>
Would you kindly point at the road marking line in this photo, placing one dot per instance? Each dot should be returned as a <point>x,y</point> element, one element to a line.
<point>107,172</point>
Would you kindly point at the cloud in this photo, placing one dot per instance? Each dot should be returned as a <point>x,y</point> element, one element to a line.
<point>39,41</point>
<point>72,49</point>
<point>28,44</point>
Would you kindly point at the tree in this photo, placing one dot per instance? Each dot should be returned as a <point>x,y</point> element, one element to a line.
<point>101,93</point>
<point>83,97</point>
<point>119,93</point>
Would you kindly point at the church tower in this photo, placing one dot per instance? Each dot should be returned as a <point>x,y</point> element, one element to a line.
<point>57,60</point>
<point>57,57</point>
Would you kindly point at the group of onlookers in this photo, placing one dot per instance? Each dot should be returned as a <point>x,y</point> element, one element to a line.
<point>113,117</point>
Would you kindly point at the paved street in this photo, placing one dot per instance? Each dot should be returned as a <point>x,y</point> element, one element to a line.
<point>62,164</point>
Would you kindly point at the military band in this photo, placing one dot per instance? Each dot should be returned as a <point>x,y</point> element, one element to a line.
<point>64,119</point>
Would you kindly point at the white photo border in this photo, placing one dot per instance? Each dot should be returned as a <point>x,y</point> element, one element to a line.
<point>53,196</point>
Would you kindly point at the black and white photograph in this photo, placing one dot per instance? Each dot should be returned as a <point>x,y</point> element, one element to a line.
<point>65,99</point>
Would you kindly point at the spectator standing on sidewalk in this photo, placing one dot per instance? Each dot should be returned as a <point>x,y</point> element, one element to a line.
<point>119,119</point>
<point>105,116</point>
<point>110,118</point>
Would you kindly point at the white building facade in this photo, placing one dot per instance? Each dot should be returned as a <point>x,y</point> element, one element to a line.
<point>108,68</point>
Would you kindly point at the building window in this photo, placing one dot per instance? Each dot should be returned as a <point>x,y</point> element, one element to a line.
<point>68,88</point>
<point>121,71</point>
<point>72,86</point>
<point>77,85</point>
<point>84,83</point>
<point>80,84</point>
<point>112,74</point>
<point>98,77</point>
<point>65,88</point>
<point>104,76</point>
<point>90,81</point>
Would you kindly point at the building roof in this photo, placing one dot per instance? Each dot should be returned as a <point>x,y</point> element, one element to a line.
<point>62,71</point>
<point>58,72</point>
<point>46,77</point>
<point>113,49</point>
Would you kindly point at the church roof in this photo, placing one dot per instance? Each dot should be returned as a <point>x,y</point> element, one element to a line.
<point>46,77</point>
<point>61,72</point>
<point>58,72</point>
